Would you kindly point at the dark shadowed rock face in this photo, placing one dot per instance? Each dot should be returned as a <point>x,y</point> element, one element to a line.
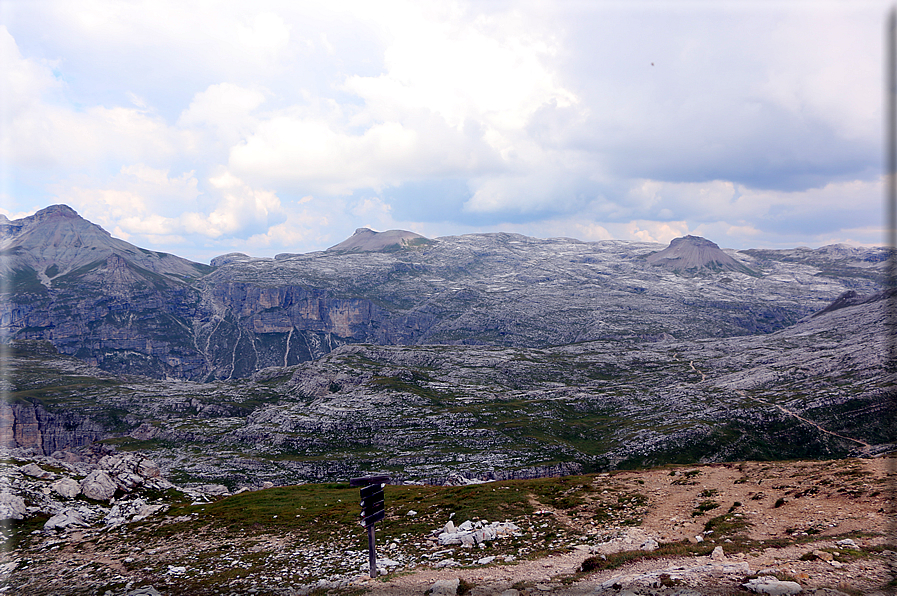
<point>695,254</point>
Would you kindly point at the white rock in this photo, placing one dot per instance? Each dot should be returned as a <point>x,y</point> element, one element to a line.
<point>36,471</point>
<point>847,543</point>
<point>445,587</point>
<point>448,539</point>
<point>217,489</point>
<point>98,485</point>
<point>485,560</point>
<point>649,545</point>
<point>411,513</point>
<point>66,488</point>
<point>717,554</point>
<point>65,519</point>
<point>11,507</point>
<point>773,586</point>
<point>449,528</point>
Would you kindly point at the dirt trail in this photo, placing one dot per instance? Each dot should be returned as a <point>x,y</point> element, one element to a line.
<point>789,502</point>
<point>802,419</point>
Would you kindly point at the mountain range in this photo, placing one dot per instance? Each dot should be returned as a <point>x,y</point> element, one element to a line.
<point>483,355</point>
<point>127,309</point>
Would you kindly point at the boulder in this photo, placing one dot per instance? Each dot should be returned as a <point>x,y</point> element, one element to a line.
<point>768,584</point>
<point>213,489</point>
<point>11,507</point>
<point>129,470</point>
<point>98,485</point>
<point>847,543</point>
<point>36,471</point>
<point>66,488</point>
<point>445,587</point>
<point>65,519</point>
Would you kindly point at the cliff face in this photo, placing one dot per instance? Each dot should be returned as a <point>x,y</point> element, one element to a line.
<point>30,426</point>
<point>130,310</point>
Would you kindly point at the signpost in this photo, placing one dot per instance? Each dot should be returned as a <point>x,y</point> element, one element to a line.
<point>372,510</point>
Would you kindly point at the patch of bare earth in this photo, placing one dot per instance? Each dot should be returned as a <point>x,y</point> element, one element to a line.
<point>796,507</point>
<point>778,514</point>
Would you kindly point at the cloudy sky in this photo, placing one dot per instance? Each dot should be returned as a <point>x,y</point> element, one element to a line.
<point>205,127</point>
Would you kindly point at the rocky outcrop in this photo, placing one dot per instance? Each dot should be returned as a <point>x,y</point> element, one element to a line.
<point>694,254</point>
<point>31,426</point>
<point>367,240</point>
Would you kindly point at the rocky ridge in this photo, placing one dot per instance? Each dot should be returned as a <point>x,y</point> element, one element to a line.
<point>130,310</point>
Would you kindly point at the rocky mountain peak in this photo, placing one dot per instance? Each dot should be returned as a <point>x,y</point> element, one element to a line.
<point>695,254</point>
<point>56,211</point>
<point>367,240</point>
<point>58,240</point>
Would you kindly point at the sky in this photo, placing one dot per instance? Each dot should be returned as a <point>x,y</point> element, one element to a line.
<point>206,127</point>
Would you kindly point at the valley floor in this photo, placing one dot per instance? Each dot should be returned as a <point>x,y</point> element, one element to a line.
<point>825,525</point>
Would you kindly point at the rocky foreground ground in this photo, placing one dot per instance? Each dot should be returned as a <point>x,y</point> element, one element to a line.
<point>809,527</point>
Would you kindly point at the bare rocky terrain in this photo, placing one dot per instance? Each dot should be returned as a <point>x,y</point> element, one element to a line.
<point>825,526</point>
<point>131,310</point>
<point>171,427</point>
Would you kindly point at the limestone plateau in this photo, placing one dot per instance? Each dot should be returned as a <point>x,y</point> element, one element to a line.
<point>444,360</point>
<point>130,310</point>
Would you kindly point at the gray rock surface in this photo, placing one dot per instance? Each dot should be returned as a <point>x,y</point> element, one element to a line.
<point>11,506</point>
<point>66,488</point>
<point>98,486</point>
<point>65,519</point>
<point>445,587</point>
<point>773,586</point>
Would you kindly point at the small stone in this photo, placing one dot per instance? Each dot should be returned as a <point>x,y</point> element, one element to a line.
<point>445,587</point>
<point>821,554</point>
<point>718,554</point>
<point>847,543</point>
<point>411,513</point>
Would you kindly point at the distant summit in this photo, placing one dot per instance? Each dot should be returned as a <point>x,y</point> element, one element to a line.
<point>56,241</point>
<point>367,240</point>
<point>693,254</point>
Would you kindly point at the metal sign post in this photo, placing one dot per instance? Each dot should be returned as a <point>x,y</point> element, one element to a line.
<point>373,509</point>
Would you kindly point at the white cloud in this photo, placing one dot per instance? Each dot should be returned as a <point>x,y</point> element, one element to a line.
<point>489,68</point>
<point>204,121</point>
<point>267,35</point>
<point>242,210</point>
<point>146,202</point>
